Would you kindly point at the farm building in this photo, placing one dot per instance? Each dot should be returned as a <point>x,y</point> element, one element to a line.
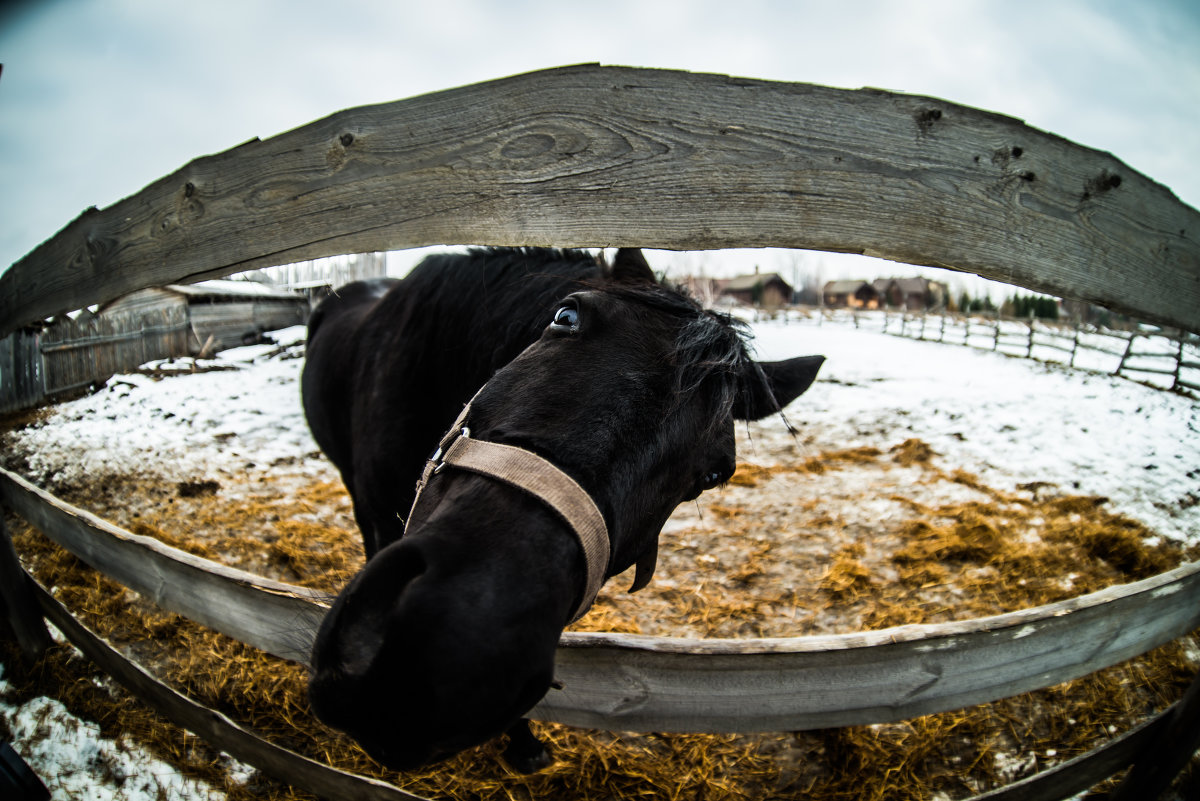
<point>220,314</point>
<point>72,352</point>
<point>911,293</point>
<point>850,294</point>
<point>767,290</point>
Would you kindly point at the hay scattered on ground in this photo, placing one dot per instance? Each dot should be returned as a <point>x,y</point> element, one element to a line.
<point>848,540</point>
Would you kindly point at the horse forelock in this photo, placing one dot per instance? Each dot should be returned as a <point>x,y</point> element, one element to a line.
<point>710,350</point>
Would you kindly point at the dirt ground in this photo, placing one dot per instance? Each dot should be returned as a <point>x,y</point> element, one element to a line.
<point>801,541</point>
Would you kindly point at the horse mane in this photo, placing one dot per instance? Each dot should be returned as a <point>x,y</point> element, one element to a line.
<point>711,347</point>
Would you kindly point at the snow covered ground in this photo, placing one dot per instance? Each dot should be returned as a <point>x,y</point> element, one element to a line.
<point>243,413</point>
<point>75,762</point>
<point>1012,421</point>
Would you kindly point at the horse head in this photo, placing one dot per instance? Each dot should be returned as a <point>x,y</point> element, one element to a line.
<point>446,637</point>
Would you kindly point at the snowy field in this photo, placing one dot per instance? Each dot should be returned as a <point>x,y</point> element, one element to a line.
<point>1012,421</point>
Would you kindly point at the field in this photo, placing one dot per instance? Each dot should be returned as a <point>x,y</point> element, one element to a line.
<point>926,483</point>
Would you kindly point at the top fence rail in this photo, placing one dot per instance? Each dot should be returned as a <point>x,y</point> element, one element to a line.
<point>580,156</point>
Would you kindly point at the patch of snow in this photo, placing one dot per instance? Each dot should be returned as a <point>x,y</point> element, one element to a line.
<point>187,425</point>
<point>74,761</point>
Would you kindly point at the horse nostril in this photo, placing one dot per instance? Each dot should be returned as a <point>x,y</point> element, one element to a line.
<point>355,629</point>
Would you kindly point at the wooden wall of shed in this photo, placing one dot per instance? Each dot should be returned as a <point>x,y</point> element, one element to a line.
<point>232,324</point>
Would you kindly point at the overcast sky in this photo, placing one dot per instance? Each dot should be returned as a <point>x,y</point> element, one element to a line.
<point>100,97</point>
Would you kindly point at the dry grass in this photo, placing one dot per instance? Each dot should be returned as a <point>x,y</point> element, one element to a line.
<point>745,567</point>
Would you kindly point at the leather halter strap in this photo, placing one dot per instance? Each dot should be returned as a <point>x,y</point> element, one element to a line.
<point>527,471</point>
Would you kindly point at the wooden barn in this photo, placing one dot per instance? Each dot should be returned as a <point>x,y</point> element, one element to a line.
<point>71,352</point>
<point>766,290</point>
<point>850,294</point>
<point>220,314</point>
<point>912,293</point>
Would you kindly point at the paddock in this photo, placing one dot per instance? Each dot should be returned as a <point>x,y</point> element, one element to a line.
<point>750,164</point>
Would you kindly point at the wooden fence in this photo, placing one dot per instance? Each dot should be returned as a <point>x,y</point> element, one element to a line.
<point>69,353</point>
<point>72,353</point>
<point>530,160</point>
<point>21,381</point>
<point>1172,355</point>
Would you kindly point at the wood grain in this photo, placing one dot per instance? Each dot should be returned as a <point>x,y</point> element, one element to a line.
<point>607,156</point>
<point>627,682</point>
<point>634,683</point>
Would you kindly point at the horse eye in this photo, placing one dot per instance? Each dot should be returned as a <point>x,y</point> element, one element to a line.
<point>567,317</point>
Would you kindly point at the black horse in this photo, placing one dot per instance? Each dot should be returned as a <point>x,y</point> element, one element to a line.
<point>446,638</point>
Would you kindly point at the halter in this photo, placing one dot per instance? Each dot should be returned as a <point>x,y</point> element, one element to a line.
<point>527,471</point>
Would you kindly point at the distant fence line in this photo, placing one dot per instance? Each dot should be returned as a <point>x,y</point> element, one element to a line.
<point>1177,356</point>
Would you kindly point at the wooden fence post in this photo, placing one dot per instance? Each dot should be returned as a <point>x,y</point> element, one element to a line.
<point>1165,755</point>
<point>1125,355</point>
<point>996,332</point>
<point>20,608</point>
<point>1074,345</point>
<point>1029,348</point>
<point>1175,386</point>
<point>942,330</point>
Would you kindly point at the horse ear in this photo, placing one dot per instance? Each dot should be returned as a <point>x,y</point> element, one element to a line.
<point>630,267</point>
<point>782,383</point>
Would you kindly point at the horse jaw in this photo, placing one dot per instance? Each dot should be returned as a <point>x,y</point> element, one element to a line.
<point>446,638</point>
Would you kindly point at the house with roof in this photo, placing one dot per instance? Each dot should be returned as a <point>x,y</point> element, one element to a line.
<point>911,293</point>
<point>219,314</point>
<point>764,290</point>
<point>855,294</point>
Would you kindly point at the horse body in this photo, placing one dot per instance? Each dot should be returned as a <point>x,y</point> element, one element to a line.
<point>447,636</point>
<point>391,363</point>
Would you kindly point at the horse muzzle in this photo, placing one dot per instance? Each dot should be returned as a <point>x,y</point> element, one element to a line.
<point>412,670</point>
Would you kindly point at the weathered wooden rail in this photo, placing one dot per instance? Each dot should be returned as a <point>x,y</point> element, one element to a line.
<point>630,682</point>
<point>593,156</point>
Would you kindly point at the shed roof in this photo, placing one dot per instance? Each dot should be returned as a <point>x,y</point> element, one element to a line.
<point>744,282</point>
<point>845,287</point>
<point>231,289</point>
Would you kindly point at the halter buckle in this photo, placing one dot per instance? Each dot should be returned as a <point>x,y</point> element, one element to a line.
<point>438,457</point>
